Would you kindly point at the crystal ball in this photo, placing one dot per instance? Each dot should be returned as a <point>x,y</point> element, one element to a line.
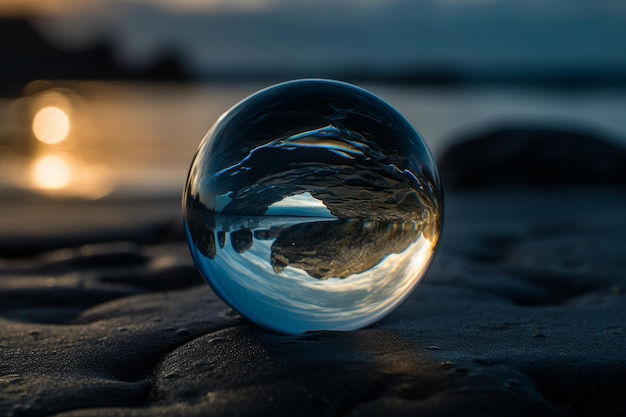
<point>313,205</point>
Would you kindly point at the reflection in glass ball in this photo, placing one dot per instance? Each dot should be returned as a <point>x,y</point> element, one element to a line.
<point>313,205</point>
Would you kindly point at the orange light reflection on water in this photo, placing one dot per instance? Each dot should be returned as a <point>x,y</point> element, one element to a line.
<point>51,172</point>
<point>64,176</point>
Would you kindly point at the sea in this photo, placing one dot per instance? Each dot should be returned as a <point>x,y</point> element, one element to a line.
<point>94,140</point>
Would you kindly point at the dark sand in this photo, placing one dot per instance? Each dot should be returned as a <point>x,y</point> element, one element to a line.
<point>522,313</point>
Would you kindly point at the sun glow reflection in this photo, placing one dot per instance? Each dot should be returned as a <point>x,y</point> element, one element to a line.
<point>63,176</point>
<point>51,172</point>
<point>51,125</point>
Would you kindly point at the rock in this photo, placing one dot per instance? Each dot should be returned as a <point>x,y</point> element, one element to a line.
<point>535,157</point>
<point>241,240</point>
<point>204,239</point>
<point>34,57</point>
<point>340,249</point>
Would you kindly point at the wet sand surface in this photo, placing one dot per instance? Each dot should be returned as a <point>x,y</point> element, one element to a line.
<point>102,313</point>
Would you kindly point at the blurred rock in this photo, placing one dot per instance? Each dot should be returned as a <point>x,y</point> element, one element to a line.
<point>32,56</point>
<point>535,157</point>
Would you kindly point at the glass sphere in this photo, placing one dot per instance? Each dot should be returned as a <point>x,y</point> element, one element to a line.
<point>313,205</point>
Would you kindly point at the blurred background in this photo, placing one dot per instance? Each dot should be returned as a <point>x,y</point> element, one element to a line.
<point>104,100</point>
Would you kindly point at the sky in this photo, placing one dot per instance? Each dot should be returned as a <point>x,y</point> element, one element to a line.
<point>310,36</point>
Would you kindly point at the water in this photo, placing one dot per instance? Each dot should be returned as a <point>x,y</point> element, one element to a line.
<point>313,205</point>
<point>137,139</point>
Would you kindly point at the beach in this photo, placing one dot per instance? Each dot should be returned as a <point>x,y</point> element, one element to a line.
<point>520,314</point>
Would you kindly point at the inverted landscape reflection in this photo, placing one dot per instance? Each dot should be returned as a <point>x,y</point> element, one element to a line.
<point>313,273</point>
<point>313,205</point>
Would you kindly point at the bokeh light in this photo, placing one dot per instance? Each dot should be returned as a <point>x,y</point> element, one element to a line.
<point>51,172</point>
<point>51,125</point>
